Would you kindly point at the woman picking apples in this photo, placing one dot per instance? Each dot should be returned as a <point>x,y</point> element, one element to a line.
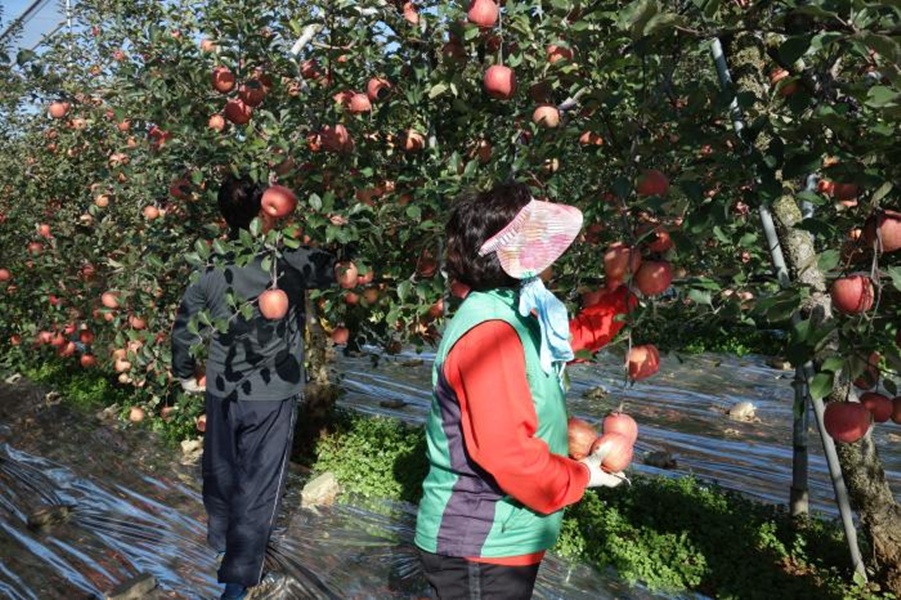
<point>499,474</point>
<point>254,379</point>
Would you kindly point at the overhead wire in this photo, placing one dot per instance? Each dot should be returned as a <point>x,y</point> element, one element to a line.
<point>23,19</point>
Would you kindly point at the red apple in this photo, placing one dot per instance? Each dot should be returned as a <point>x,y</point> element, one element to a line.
<point>870,375</point>
<point>336,139</point>
<point>885,226</point>
<point>483,13</point>
<point>619,451</point>
<point>896,409</point>
<point>136,414</point>
<point>223,80</point>
<point>377,89</point>
<point>412,140</point>
<point>582,436</point>
<point>500,82</point>
<point>458,289</point>
<point>359,103</point>
<point>846,421</point>
<point>642,361</point>
<point>340,335</point>
<point>852,294</point>
<point>110,299</point>
<point>652,183</point>
<point>278,201</point>
<point>273,303</point>
<point>556,53</point>
<point>619,259</point>
<point>252,92</point>
<point>58,110</point>
<point>879,405</point>
<point>590,138</point>
<point>237,111</point>
<point>620,422</point>
<point>655,237</point>
<point>216,122</point>
<point>546,115</point>
<point>653,277</point>
<point>346,273</point>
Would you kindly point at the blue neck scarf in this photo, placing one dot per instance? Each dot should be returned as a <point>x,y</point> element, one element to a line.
<point>553,318</point>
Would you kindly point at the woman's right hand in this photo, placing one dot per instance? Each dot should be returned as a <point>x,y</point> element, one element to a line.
<point>598,477</point>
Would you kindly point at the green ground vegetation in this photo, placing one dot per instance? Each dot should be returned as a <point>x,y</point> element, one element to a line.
<point>676,535</point>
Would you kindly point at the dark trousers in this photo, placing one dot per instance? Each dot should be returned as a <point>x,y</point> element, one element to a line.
<point>246,448</point>
<point>455,578</point>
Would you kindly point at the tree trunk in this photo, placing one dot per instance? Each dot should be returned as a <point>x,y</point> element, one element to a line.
<point>871,497</point>
<point>868,490</point>
<point>316,412</point>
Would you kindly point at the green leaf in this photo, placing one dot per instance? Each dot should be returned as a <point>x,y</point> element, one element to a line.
<point>895,274</point>
<point>202,250</point>
<point>815,11</point>
<point>247,312</point>
<point>721,235</point>
<point>219,247</point>
<point>437,90</point>
<point>828,260</point>
<point>881,192</point>
<point>701,297</point>
<point>821,385</point>
<point>880,96</point>
<point>24,57</point>
<point>885,45</point>
<point>833,364</point>
<point>403,289</point>
<point>794,48</point>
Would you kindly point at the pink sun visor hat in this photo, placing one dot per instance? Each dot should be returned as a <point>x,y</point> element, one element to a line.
<point>536,237</point>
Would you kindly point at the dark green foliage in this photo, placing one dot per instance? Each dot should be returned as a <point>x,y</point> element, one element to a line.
<point>85,389</point>
<point>375,457</point>
<point>683,534</point>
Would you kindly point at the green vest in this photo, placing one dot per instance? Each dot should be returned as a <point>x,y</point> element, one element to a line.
<point>463,512</point>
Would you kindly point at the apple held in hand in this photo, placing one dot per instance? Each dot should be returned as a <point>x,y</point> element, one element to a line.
<point>581,437</point>
<point>620,422</point>
<point>618,449</point>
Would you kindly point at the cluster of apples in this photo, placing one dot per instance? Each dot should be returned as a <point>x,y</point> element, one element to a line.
<point>848,421</point>
<point>619,434</point>
<point>853,293</point>
<point>251,94</point>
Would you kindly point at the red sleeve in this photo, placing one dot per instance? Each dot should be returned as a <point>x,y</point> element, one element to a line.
<point>596,325</point>
<point>486,368</point>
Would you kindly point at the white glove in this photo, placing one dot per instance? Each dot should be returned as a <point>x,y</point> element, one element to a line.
<point>598,477</point>
<point>190,385</point>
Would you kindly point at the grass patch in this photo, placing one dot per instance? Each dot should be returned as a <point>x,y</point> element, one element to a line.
<point>84,389</point>
<point>375,457</point>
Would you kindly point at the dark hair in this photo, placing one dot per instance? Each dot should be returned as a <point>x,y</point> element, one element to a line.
<point>475,217</point>
<point>239,201</point>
